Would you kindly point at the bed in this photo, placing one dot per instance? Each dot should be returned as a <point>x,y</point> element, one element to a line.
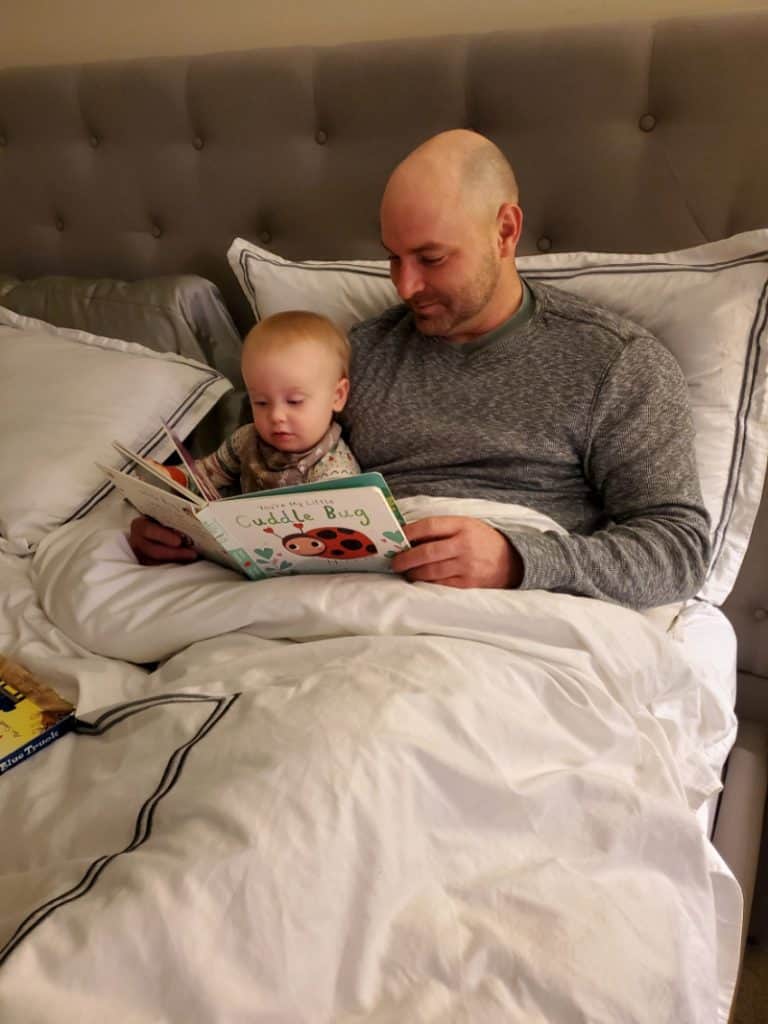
<point>349,798</point>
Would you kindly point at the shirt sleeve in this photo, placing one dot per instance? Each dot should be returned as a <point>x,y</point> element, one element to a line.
<point>223,466</point>
<point>654,545</point>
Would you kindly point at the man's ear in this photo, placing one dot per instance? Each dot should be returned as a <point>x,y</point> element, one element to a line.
<point>341,394</point>
<point>509,226</point>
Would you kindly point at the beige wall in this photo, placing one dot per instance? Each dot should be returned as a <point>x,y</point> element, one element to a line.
<point>60,31</point>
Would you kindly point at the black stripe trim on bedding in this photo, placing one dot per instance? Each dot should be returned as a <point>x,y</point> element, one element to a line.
<point>320,268</point>
<point>173,419</point>
<point>751,362</point>
<point>748,387</point>
<point>143,827</point>
<point>649,267</point>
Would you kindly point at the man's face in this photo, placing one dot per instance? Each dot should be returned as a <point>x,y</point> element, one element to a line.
<point>444,264</point>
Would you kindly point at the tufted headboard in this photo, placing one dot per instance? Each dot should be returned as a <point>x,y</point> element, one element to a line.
<point>639,137</point>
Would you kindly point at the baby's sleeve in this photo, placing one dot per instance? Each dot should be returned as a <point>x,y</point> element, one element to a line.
<point>223,466</point>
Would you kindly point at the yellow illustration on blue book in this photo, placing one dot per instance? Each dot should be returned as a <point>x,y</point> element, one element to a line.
<point>31,713</point>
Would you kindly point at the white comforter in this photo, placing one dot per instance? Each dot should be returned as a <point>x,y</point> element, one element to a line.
<point>425,805</point>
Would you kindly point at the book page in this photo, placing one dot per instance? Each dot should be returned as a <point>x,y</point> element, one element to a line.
<point>151,473</point>
<point>170,510</point>
<point>197,473</point>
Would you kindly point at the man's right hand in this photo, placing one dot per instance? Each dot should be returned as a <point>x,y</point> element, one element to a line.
<point>154,544</point>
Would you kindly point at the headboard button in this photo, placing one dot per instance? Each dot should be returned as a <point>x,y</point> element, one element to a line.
<point>157,231</point>
<point>321,137</point>
<point>760,614</point>
<point>647,123</point>
<point>544,244</point>
<point>198,142</point>
<point>3,141</point>
<point>265,237</point>
<point>95,141</point>
<point>59,222</point>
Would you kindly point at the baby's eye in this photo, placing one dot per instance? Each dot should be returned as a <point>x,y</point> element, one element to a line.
<point>258,403</point>
<point>295,401</point>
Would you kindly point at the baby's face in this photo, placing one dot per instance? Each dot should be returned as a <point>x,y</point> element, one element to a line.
<point>294,392</point>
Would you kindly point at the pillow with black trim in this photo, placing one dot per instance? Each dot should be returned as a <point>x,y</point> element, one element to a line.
<point>181,313</point>
<point>346,291</point>
<point>708,305</point>
<point>64,397</point>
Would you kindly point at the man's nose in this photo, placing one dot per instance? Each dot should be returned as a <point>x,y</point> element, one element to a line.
<point>408,280</point>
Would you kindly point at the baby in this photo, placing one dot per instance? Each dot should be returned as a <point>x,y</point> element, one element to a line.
<point>295,366</point>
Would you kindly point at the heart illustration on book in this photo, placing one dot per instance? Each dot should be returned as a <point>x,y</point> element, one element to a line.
<point>263,553</point>
<point>394,535</point>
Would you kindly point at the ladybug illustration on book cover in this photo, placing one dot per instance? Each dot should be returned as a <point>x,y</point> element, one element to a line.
<point>319,544</point>
<point>339,542</point>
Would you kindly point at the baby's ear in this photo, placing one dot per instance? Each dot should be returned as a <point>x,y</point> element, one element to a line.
<point>341,394</point>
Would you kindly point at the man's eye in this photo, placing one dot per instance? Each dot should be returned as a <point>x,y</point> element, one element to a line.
<point>432,261</point>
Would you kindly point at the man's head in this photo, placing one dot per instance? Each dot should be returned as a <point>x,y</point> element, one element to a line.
<point>450,221</point>
<point>295,366</point>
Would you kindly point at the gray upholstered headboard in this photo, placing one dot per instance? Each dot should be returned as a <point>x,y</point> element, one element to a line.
<point>640,138</point>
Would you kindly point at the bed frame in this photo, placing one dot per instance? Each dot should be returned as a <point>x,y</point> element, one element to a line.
<point>640,137</point>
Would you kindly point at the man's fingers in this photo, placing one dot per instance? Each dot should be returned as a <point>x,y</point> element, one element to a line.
<point>156,554</point>
<point>423,554</point>
<point>436,572</point>
<point>432,528</point>
<point>154,544</point>
<point>157,534</point>
<point>434,554</point>
<point>457,551</point>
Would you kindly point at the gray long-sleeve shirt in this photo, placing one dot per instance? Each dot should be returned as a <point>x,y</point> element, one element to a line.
<point>577,413</point>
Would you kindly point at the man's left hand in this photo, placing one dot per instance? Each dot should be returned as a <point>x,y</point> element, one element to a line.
<point>459,551</point>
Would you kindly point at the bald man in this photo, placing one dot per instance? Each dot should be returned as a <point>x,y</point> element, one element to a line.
<point>481,385</point>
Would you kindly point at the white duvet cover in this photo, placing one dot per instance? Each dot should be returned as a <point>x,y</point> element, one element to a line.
<point>353,799</point>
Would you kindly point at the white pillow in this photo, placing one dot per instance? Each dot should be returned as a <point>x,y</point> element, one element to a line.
<point>64,397</point>
<point>708,305</point>
<point>346,291</point>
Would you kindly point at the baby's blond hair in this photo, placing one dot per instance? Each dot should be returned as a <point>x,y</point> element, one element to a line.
<point>283,329</point>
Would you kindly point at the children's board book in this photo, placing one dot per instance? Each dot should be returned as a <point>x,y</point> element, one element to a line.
<point>32,715</point>
<point>347,524</point>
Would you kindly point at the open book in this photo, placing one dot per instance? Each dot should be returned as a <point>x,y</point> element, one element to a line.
<point>347,524</point>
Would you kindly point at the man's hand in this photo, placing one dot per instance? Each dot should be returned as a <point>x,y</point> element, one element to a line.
<point>458,551</point>
<point>154,544</point>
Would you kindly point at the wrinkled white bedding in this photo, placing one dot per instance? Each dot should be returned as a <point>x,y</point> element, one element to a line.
<point>427,805</point>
